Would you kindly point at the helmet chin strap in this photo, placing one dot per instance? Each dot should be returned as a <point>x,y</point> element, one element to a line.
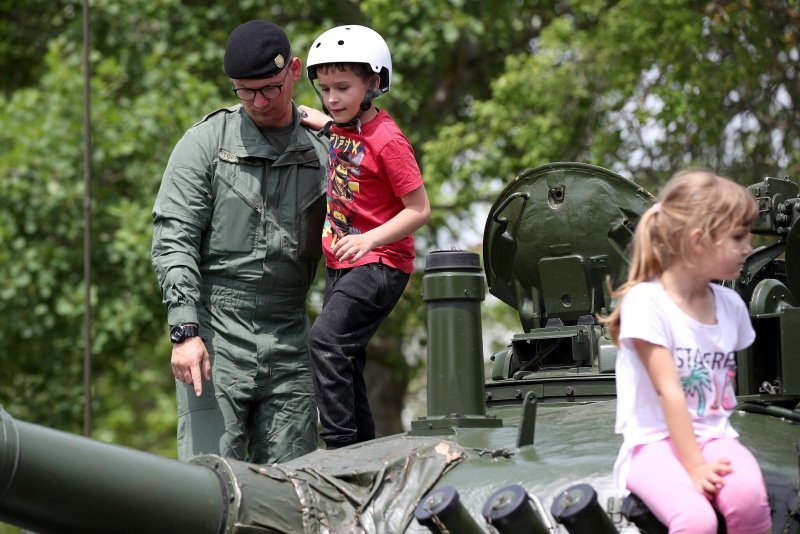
<point>355,121</point>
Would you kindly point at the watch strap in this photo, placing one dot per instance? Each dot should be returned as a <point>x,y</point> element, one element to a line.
<point>190,330</point>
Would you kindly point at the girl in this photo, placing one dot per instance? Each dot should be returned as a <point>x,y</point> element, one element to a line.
<point>678,334</point>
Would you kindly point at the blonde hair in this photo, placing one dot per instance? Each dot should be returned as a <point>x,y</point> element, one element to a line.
<point>691,199</point>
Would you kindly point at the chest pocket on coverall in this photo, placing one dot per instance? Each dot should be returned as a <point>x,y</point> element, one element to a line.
<point>236,218</point>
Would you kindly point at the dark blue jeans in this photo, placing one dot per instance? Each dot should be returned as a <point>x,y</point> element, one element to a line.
<point>356,302</point>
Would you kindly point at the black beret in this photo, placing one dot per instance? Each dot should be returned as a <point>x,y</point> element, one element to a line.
<point>256,49</point>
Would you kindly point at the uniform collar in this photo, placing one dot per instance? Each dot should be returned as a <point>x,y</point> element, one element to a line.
<point>251,144</point>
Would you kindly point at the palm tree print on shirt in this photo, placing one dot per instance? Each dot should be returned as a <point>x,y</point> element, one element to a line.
<point>694,385</point>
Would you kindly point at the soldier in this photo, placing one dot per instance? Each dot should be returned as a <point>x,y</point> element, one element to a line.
<point>236,246</point>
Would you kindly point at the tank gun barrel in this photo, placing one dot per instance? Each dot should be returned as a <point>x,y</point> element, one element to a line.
<point>52,481</point>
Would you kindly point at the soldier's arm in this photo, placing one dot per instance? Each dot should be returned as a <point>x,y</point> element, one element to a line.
<point>180,216</point>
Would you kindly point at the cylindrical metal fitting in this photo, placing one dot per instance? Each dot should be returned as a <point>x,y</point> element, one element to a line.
<point>578,510</point>
<point>453,288</point>
<point>509,510</point>
<point>442,512</point>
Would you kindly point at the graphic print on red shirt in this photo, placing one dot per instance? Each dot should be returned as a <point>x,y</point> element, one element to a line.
<point>367,175</point>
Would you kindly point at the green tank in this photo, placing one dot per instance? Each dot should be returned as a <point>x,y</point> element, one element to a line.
<point>530,450</point>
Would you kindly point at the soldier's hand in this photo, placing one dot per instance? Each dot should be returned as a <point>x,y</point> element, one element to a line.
<point>191,363</point>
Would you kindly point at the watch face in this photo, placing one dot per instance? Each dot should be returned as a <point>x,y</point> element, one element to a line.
<point>176,333</point>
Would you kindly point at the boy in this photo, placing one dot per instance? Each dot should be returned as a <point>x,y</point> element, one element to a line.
<point>376,199</point>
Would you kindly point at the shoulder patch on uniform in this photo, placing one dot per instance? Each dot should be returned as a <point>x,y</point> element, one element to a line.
<point>229,109</point>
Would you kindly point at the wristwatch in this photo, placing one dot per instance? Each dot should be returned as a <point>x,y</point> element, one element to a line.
<point>179,332</point>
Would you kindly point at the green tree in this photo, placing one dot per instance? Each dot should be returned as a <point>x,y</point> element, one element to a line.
<point>24,41</point>
<point>608,82</point>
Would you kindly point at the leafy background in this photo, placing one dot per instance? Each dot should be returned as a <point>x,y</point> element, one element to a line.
<point>484,90</point>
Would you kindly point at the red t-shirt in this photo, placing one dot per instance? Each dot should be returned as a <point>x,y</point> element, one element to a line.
<point>367,175</point>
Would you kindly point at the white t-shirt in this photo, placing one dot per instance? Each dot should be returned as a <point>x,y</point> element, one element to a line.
<point>704,354</point>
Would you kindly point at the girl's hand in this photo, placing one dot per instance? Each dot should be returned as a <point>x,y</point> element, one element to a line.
<point>708,478</point>
<point>353,247</point>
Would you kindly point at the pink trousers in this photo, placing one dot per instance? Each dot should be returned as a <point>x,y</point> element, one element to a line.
<point>657,477</point>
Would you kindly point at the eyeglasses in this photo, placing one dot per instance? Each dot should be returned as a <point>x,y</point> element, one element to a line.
<point>267,91</point>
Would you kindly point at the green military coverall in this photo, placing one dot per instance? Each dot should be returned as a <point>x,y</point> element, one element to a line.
<point>236,245</point>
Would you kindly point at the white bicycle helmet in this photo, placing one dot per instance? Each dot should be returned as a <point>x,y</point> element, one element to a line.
<point>352,44</point>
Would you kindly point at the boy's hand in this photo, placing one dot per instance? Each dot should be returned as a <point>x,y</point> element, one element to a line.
<point>313,118</point>
<point>708,478</point>
<point>353,247</point>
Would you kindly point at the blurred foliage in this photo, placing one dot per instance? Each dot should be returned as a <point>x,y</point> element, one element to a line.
<point>482,89</point>
<point>642,87</point>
